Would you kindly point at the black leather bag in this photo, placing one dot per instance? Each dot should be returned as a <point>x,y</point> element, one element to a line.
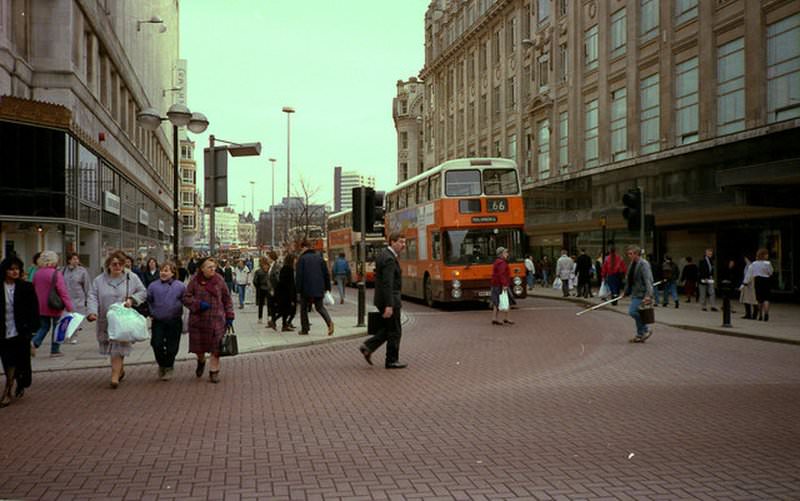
<point>229,346</point>
<point>375,321</point>
<point>54,301</point>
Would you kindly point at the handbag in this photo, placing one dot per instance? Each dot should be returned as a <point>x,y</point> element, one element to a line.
<point>54,301</point>
<point>229,345</point>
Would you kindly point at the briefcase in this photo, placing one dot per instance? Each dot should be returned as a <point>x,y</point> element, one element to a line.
<point>374,322</point>
<point>647,314</point>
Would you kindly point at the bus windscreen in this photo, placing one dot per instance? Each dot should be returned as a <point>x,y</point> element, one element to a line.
<point>500,182</point>
<point>479,246</point>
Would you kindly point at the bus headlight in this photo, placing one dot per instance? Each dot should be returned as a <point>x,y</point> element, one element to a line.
<point>517,290</point>
<point>456,284</point>
<point>456,293</point>
<point>517,281</point>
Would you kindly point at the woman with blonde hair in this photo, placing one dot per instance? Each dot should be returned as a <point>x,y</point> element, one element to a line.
<point>47,278</point>
<point>760,273</point>
<point>210,314</point>
<point>115,285</point>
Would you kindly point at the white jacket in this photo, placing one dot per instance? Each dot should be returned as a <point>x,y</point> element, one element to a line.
<point>564,267</point>
<point>241,277</point>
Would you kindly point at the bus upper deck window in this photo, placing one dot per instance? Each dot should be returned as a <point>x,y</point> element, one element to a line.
<point>460,183</point>
<point>500,182</point>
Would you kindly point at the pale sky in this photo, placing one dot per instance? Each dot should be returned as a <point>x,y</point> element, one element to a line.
<point>335,61</point>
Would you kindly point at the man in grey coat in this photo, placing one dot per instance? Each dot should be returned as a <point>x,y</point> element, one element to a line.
<point>639,286</point>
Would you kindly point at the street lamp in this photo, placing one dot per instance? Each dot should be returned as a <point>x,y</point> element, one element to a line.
<point>179,116</point>
<point>288,110</point>
<point>272,207</point>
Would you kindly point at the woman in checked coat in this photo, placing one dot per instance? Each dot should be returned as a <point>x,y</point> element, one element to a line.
<point>210,313</point>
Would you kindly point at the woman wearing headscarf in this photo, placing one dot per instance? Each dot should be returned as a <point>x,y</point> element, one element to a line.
<point>210,313</point>
<point>501,281</point>
<point>20,309</point>
<point>115,285</point>
<point>48,277</point>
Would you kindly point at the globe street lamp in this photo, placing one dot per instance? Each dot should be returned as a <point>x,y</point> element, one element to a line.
<point>179,116</point>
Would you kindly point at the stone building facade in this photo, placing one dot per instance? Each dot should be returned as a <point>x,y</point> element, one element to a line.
<point>78,173</point>
<point>695,102</point>
<point>407,109</point>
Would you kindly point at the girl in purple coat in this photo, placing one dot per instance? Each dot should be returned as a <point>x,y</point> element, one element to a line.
<point>210,313</point>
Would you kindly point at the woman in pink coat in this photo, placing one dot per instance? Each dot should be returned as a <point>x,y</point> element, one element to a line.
<point>210,313</point>
<point>43,282</point>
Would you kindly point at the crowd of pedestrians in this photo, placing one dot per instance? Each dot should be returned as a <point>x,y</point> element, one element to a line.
<point>196,299</point>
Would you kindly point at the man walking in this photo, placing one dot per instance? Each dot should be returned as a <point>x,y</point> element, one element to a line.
<point>388,283</point>
<point>312,280</point>
<point>706,275</point>
<point>640,288</point>
<point>584,270</point>
<point>530,271</point>
<point>564,270</point>
<point>669,277</point>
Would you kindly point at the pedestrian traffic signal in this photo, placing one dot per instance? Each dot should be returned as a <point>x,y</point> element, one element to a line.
<point>632,213</point>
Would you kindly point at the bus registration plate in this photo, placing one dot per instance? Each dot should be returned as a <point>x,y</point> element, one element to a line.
<point>484,293</point>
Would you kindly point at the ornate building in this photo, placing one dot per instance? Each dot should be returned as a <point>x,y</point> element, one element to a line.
<point>407,110</point>
<point>592,98</point>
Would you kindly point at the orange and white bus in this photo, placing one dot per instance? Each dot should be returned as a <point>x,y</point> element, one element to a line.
<point>313,233</point>
<point>343,240</point>
<point>454,218</point>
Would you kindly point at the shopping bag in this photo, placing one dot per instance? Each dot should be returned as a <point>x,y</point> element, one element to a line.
<point>604,291</point>
<point>328,299</point>
<point>67,326</point>
<point>229,345</point>
<point>126,324</point>
<point>503,303</point>
<point>557,283</point>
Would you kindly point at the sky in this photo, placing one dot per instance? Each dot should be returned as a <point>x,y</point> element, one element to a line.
<point>336,62</point>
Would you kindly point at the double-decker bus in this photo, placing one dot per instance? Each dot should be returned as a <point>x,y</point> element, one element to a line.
<point>313,233</point>
<point>454,218</point>
<point>343,240</point>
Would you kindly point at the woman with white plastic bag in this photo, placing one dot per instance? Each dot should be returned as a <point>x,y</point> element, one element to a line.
<point>501,281</point>
<point>115,285</point>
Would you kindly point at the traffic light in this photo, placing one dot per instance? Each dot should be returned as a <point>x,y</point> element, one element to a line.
<point>368,208</point>
<point>633,209</point>
<point>378,212</point>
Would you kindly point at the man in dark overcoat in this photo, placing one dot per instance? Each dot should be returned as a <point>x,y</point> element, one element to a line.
<point>312,280</point>
<point>388,281</point>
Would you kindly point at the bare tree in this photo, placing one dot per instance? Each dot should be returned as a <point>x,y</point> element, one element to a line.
<point>304,213</point>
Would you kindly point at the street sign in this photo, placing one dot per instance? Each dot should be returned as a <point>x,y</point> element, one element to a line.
<point>215,184</point>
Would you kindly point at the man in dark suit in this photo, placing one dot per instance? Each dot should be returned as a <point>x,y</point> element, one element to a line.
<point>387,299</point>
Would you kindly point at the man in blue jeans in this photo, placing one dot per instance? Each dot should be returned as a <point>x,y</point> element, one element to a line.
<point>639,286</point>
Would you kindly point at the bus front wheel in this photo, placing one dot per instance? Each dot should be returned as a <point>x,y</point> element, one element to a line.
<point>428,291</point>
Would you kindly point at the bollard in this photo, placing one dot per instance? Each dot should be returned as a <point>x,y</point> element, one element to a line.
<point>725,289</point>
<point>362,303</point>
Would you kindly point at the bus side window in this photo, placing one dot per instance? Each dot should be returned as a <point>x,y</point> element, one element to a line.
<point>436,245</point>
<point>422,191</point>
<point>412,195</point>
<point>411,249</point>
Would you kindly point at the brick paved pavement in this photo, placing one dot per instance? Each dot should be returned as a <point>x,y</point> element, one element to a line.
<point>555,407</point>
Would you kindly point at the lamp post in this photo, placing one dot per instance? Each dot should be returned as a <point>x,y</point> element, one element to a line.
<point>272,207</point>
<point>288,110</point>
<point>179,116</point>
